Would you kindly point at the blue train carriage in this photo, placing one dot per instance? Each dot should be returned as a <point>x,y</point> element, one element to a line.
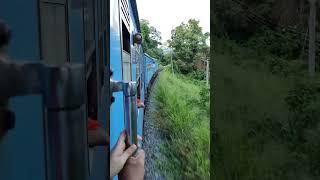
<point>127,64</point>
<point>151,67</point>
<point>63,47</point>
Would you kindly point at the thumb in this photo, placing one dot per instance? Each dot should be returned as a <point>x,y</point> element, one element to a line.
<point>128,152</point>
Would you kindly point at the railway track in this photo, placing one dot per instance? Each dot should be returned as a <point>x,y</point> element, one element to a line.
<point>151,135</point>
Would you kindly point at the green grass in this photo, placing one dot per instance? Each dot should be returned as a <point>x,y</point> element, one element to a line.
<point>183,115</point>
<point>251,121</point>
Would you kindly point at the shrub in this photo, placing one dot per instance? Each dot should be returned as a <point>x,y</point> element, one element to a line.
<point>184,125</point>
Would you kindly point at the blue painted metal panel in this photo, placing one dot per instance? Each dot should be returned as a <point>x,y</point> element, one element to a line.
<point>116,110</point>
<point>22,16</point>
<point>28,135</point>
<point>151,66</point>
<point>22,150</point>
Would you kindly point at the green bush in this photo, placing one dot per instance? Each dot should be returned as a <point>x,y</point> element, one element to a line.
<point>184,125</point>
<point>198,75</point>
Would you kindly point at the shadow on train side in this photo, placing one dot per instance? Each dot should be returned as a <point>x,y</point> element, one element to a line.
<point>63,55</point>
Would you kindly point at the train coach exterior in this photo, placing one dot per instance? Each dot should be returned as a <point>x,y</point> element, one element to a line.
<point>63,42</point>
<point>151,66</point>
<point>72,37</point>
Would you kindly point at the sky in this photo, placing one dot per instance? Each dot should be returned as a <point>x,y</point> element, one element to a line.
<point>164,15</point>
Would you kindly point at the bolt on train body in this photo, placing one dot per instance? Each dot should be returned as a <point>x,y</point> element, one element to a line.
<point>62,52</point>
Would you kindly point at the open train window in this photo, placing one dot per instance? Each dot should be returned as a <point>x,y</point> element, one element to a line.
<point>126,56</point>
<point>125,38</point>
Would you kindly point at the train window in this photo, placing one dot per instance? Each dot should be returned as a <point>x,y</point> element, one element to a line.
<point>89,27</point>
<point>125,38</point>
<point>126,57</point>
<point>53,33</point>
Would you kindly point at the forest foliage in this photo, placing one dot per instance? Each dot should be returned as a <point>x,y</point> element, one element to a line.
<point>151,40</point>
<point>187,48</point>
<point>267,112</point>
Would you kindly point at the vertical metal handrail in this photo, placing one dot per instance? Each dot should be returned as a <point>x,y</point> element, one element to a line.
<point>129,90</point>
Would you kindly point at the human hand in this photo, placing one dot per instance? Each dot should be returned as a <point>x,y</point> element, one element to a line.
<point>119,154</point>
<point>134,167</point>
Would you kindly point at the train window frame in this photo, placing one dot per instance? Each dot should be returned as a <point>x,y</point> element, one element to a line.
<point>126,52</point>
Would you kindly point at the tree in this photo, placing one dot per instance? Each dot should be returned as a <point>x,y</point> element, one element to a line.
<point>189,45</point>
<point>151,40</point>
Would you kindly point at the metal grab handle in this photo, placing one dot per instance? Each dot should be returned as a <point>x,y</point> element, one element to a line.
<point>129,90</point>
<point>65,82</point>
<point>131,119</point>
